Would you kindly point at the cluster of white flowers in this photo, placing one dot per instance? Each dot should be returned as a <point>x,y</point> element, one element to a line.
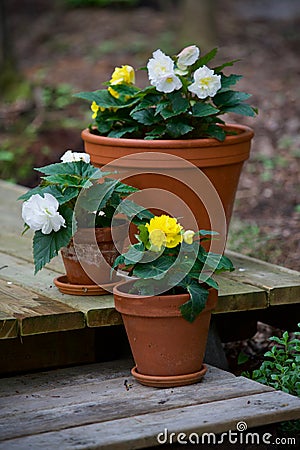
<point>163,73</point>
<point>41,213</point>
<point>70,156</point>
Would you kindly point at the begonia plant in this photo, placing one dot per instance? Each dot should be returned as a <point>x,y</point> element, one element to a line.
<point>48,209</point>
<point>168,258</point>
<point>185,99</point>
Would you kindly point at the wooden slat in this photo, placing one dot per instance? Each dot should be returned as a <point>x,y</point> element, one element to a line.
<point>36,313</point>
<point>8,325</point>
<point>108,400</point>
<point>46,350</point>
<point>282,285</point>
<point>141,431</point>
<point>98,310</point>
<point>237,296</point>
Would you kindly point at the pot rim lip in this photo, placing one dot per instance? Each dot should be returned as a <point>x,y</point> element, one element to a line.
<point>245,133</point>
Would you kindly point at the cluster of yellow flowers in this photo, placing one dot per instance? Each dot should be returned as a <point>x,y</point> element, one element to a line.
<point>165,231</point>
<point>121,75</point>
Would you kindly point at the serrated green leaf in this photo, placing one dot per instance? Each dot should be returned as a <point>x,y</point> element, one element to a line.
<point>227,64</point>
<point>230,98</point>
<point>242,109</point>
<point>203,110</point>
<point>134,254</point>
<point>228,81</point>
<point>156,269</point>
<point>177,129</point>
<point>198,297</point>
<point>216,132</point>
<point>123,131</point>
<point>96,197</point>
<point>132,209</point>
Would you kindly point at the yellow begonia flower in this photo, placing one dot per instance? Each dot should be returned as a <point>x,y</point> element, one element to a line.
<point>121,75</point>
<point>167,226</point>
<point>157,240</point>
<point>188,236</point>
<point>95,108</point>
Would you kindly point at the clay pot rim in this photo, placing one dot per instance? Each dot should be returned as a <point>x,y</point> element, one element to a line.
<point>245,133</point>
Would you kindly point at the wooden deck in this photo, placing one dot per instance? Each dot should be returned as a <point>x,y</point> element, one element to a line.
<point>100,406</point>
<point>32,306</point>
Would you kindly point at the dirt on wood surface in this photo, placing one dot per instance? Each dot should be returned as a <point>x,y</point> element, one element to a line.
<point>81,47</point>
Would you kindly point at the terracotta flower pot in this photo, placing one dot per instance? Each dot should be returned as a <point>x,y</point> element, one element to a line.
<point>172,166</point>
<point>89,261</point>
<point>167,349</point>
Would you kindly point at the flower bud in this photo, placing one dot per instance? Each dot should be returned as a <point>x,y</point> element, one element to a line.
<point>188,56</point>
<point>188,236</point>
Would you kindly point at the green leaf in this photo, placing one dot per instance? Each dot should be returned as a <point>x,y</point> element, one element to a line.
<point>198,297</point>
<point>216,132</point>
<point>206,58</point>
<point>145,116</point>
<point>226,82</point>
<point>62,196</point>
<point>134,254</point>
<point>242,109</point>
<point>203,109</point>
<point>123,131</point>
<point>158,132</point>
<point>105,100</point>
<point>96,197</point>
<point>131,209</point>
<point>227,64</point>
<point>179,104</point>
<point>177,128</point>
<point>230,98</point>
<point>47,246</point>
<point>143,235</point>
<point>76,168</point>
<point>156,269</point>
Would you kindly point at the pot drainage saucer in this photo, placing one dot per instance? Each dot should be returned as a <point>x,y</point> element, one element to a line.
<point>169,381</point>
<point>65,287</point>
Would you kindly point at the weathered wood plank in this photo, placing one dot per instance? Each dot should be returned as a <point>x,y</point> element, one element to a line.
<point>62,408</point>
<point>36,313</point>
<point>238,296</point>
<point>8,325</point>
<point>99,310</point>
<point>281,284</point>
<point>45,351</point>
<point>141,431</point>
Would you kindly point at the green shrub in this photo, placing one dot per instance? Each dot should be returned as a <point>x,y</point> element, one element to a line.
<point>281,369</point>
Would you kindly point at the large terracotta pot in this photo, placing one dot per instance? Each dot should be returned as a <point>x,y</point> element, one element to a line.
<point>167,349</point>
<point>91,253</point>
<point>197,177</point>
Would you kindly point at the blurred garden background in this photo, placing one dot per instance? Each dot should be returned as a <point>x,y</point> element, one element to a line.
<point>51,50</point>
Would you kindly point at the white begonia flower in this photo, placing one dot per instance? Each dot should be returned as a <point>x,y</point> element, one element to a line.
<point>41,213</point>
<point>206,83</point>
<point>168,83</point>
<point>161,73</point>
<point>188,236</point>
<point>70,156</point>
<point>187,56</point>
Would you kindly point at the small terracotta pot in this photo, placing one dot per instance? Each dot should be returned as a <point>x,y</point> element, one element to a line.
<point>163,343</point>
<point>148,164</point>
<point>90,259</point>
